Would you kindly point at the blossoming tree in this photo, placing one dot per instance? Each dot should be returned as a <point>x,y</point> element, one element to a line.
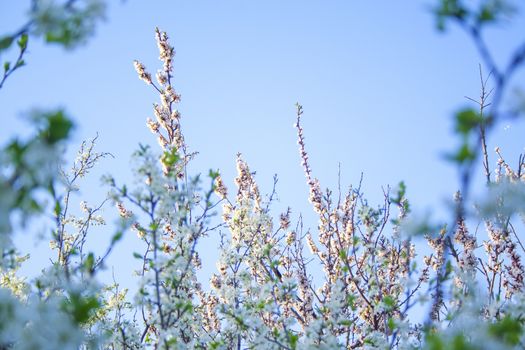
<point>353,282</point>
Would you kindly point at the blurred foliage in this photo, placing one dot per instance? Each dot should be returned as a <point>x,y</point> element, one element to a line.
<point>66,23</point>
<point>478,13</point>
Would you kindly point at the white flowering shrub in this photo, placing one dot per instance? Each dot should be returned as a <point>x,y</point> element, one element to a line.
<point>355,281</point>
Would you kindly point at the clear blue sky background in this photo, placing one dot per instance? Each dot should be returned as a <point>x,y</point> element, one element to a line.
<point>378,84</point>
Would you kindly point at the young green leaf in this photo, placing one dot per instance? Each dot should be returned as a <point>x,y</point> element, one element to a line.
<point>22,42</point>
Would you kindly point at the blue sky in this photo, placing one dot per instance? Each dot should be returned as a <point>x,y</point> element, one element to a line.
<point>378,84</point>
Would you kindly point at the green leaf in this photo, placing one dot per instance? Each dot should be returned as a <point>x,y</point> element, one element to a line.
<point>350,300</point>
<point>7,65</point>
<point>466,120</point>
<point>170,158</point>
<point>57,128</point>
<point>58,208</point>
<point>346,323</point>
<point>215,344</point>
<point>81,308</point>
<point>401,193</point>
<point>486,15</point>
<point>20,63</point>
<point>6,42</point>
<point>391,324</point>
<point>171,342</point>
<point>34,206</point>
<point>448,271</point>
<point>22,42</point>
<point>260,305</point>
<point>447,10</point>
<point>275,332</point>
<point>293,338</point>
<point>89,264</point>
<point>402,189</point>
<point>464,154</point>
<point>16,151</point>
<point>213,174</point>
<point>137,255</point>
<point>389,302</point>
<point>116,237</point>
